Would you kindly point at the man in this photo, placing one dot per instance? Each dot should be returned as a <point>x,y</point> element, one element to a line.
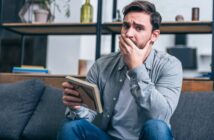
<point>139,86</point>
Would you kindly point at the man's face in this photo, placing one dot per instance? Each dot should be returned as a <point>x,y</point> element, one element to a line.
<point>138,28</point>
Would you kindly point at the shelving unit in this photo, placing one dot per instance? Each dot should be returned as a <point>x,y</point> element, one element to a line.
<point>107,28</point>
<point>99,28</point>
<point>55,29</point>
<point>212,64</point>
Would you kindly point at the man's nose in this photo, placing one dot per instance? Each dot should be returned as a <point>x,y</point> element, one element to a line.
<point>129,33</point>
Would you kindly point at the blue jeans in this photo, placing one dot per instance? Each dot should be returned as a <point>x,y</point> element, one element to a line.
<point>156,130</point>
<point>84,130</point>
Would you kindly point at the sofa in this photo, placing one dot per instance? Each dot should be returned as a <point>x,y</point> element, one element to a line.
<point>32,110</point>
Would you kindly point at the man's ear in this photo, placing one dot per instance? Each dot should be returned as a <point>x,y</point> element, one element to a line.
<point>155,35</point>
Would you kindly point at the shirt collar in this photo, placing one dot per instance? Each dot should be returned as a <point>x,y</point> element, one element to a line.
<point>148,62</point>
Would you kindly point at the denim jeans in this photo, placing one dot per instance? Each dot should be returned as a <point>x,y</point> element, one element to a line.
<point>84,130</point>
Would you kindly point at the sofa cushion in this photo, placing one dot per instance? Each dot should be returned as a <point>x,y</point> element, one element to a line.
<point>18,101</point>
<point>48,116</point>
<point>193,118</point>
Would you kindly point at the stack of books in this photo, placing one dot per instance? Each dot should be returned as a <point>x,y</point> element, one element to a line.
<point>30,69</point>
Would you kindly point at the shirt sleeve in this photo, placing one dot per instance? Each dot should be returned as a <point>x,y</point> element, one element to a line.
<point>158,100</point>
<point>81,113</point>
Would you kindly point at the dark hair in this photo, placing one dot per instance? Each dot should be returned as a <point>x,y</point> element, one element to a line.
<point>147,7</point>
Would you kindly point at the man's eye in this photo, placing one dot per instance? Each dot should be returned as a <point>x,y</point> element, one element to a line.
<point>126,26</point>
<point>139,28</point>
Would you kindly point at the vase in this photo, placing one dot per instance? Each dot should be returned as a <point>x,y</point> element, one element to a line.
<point>41,15</point>
<point>86,12</point>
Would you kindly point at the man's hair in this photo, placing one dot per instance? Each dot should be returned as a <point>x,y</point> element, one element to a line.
<point>147,7</point>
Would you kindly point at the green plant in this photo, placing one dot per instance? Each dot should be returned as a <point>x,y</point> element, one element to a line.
<point>46,4</point>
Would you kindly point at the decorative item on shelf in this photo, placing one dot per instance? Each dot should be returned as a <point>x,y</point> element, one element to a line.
<point>43,13</point>
<point>42,10</point>
<point>84,66</point>
<point>179,18</point>
<point>118,17</point>
<point>26,12</point>
<point>30,69</point>
<point>195,13</point>
<point>86,12</point>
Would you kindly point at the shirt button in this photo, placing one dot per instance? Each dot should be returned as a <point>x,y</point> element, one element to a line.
<point>114,99</point>
<point>108,116</point>
<point>121,80</point>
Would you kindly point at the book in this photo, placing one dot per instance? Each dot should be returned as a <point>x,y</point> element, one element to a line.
<point>89,93</point>
<point>28,70</point>
<point>32,66</point>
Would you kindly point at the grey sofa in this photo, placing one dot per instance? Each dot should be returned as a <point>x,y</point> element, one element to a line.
<point>194,116</point>
<point>31,110</point>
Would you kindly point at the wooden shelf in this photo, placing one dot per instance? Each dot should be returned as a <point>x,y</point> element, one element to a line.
<point>171,27</point>
<point>186,27</point>
<point>51,28</point>
<point>108,28</point>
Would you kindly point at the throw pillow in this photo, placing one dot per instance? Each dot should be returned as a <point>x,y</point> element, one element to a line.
<point>47,118</point>
<point>18,101</point>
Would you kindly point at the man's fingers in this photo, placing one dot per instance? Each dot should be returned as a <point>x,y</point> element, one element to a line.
<point>67,85</point>
<point>122,49</point>
<point>69,91</point>
<point>123,46</point>
<point>70,104</point>
<point>128,41</point>
<point>72,99</point>
<point>149,43</point>
<point>147,49</point>
<point>148,46</point>
<point>76,107</point>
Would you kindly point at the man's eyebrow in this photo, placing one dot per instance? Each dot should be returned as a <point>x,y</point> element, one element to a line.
<point>139,24</point>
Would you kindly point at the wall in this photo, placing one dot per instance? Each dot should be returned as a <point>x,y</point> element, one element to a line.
<point>63,51</point>
<point>83,47</point>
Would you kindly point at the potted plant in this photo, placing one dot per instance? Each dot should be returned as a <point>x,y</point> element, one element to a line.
<point>43,13</point>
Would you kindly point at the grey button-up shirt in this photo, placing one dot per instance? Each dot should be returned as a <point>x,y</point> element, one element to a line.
<point>155,85</point>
